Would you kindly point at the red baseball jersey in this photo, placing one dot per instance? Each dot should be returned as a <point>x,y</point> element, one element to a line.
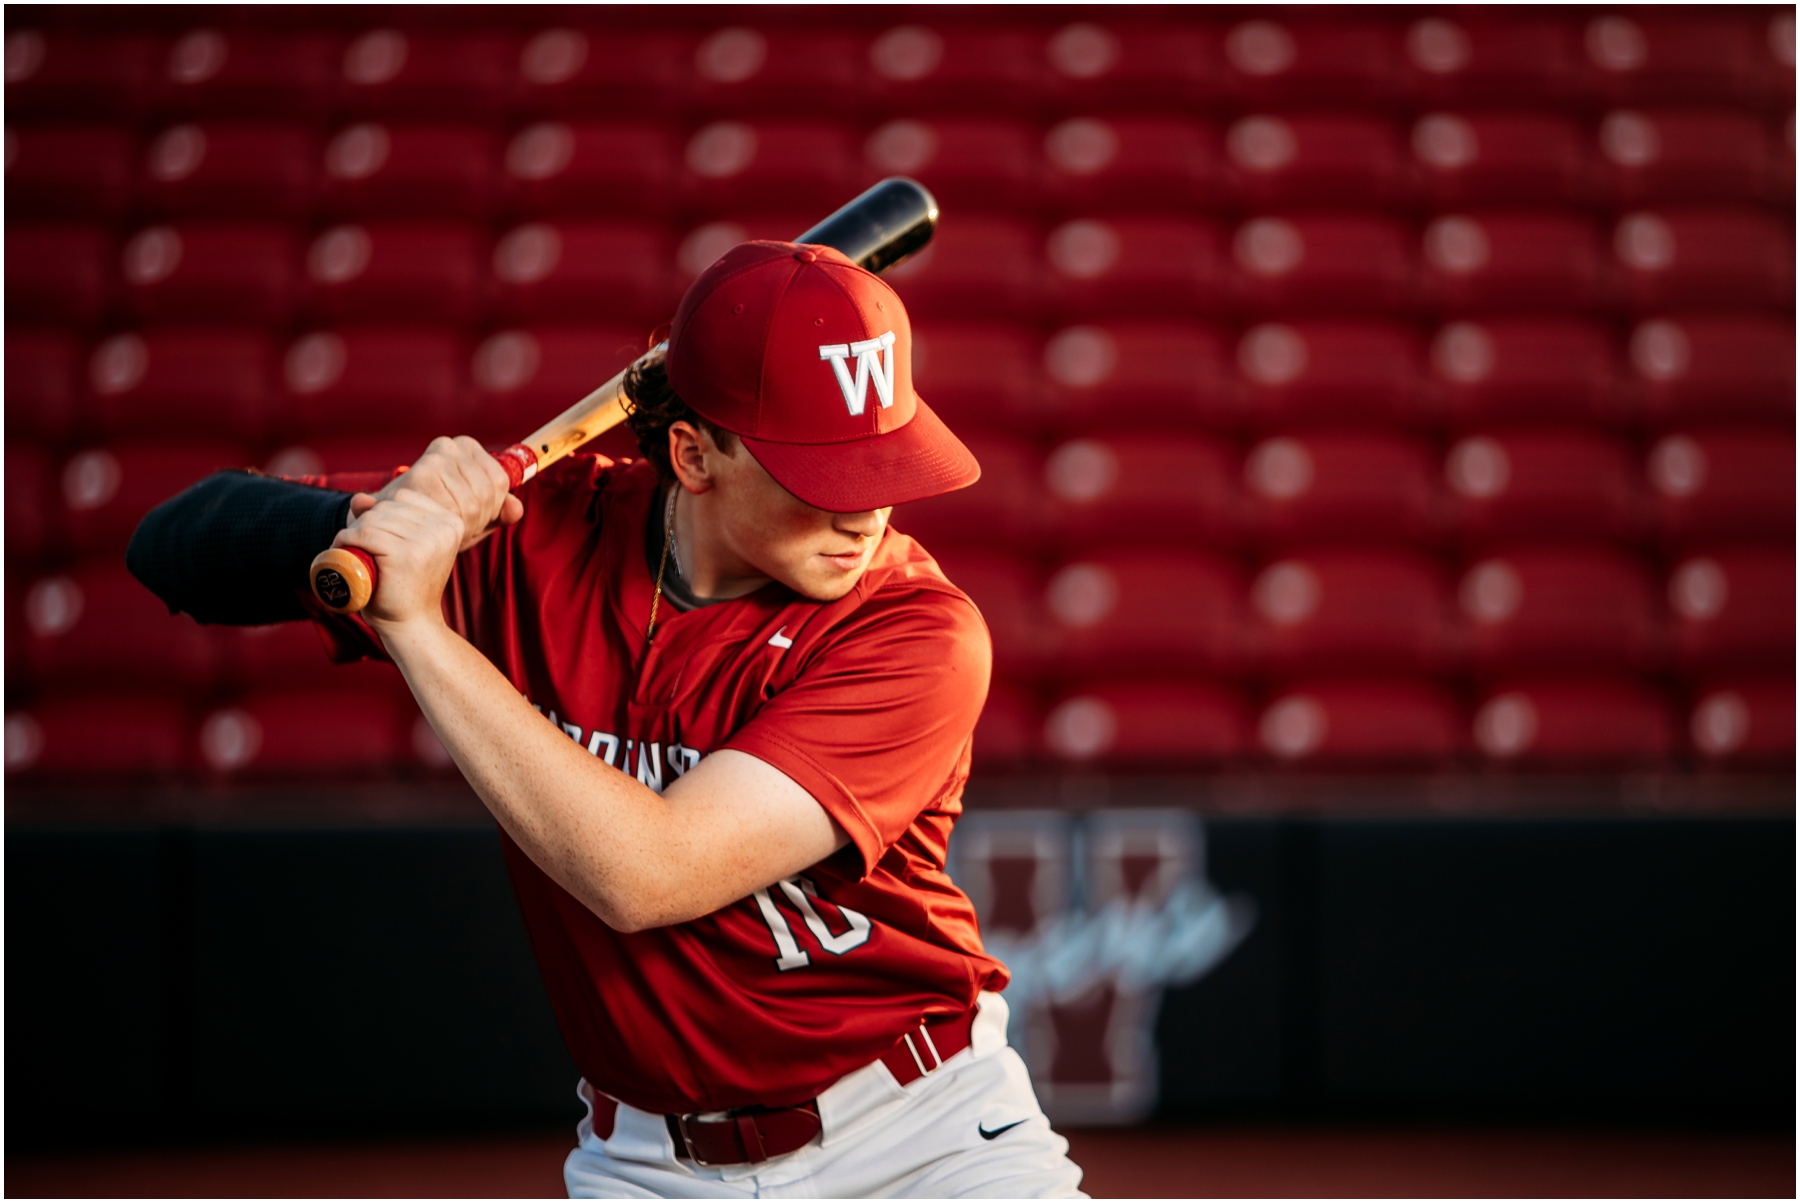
<point>867,702</point>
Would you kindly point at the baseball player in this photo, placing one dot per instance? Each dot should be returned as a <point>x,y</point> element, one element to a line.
<point>722,714</point>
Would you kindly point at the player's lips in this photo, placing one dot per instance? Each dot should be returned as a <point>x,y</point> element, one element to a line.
<point>843,561</point>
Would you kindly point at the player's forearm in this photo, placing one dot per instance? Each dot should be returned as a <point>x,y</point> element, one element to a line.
<point>633,857</point>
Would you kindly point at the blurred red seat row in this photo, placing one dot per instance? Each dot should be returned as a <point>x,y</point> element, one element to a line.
<point>977,267</point>
<point>250,170</point>
<point>1562,722</point>
<point>240,383</point>
<point>948,60</point>
<point>1147,612</point>
<point>1557,722</point>
<point>1162,608</point>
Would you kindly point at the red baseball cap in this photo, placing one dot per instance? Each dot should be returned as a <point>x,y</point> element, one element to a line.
<point>808,358</point>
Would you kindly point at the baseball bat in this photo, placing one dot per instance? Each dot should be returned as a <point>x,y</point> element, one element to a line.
<point>878,229</point>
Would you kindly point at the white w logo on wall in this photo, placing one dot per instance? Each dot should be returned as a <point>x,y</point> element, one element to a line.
<point>874,361</point>
<point>1094,916</point>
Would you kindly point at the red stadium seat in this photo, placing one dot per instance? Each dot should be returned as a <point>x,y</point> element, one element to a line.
<point>1146,266</point>
<point>1108,490</point>
<point>1782,189</point>
<point>1685,155</point>
<point>98,624</point>
<point>1499,158</point>
<point>1351,609</point>
<point>29,510</point>
<point>1717,258</point>
<point>573,72</point>
<point>212,272</point>
<point>1360,724</point>
<point>1133,65</point>
<point>374,455</point>
<point>64,74</point>
<point>410,171</point>
<point>423,270</point>
<point>1130,613</point>
<point>292,655</point>
<point>1541,484</point>
<point>979,375</point>
<point>963,161</point>
<point>524,377</point>
<point>706,243</point>
<point>1120,375</point>
<point>1002,509</point>
<point>1491,56</point>
<point>1734,609</point>
<point>554,168</point>
<point>211,72</point>
<point>730,166</point>
<point>564,271</point>
<point>1513,261</point>
<point>737,69</point>
<point>107,490</point>
<point>1660,57</point>
<point>376,379</point>
<point>1744,722</point>
<point>1146,725</point>
<point>1560,607</point>
<point>1715,368</point>
<point>1574,723</point>
<point>983,267</point>
<point>57,273</point>
<point>1007,733</point>
<point>40,383</point>
<point>1723,485</point>
<point>1330,158</point>
<point>181,381</point>
<point>1009,595</point>
<point>315,732</point>
<point>59,172</point>
<point>391,72</point>
<point>1299,58</point>
<point>953,68</point>
<point>1131,162</point>
<point>231,169</point>
<point>1359,373</point>
<point>1325,263</point>
<point>1525,370</point>
<point>105,736</point>
<point>1334,486</point>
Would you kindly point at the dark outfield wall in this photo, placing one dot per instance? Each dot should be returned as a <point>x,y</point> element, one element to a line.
<point>209,981</point>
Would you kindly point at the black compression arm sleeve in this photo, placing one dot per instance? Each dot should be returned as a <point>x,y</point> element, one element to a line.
<point>234,548</point>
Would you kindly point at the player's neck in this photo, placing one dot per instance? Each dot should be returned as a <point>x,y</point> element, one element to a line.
<point>706,562</point>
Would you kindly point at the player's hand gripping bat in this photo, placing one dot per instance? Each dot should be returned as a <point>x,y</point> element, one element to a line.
<point>878,229</point>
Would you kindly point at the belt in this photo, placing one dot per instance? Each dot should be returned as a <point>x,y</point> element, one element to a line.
<point>753,1134</point>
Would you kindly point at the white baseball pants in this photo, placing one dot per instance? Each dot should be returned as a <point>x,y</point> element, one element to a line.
<point>971,1129</point>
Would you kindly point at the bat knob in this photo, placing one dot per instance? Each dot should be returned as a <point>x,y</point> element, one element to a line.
<point>343,579</point>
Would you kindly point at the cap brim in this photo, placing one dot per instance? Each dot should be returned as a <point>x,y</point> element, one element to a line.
<point>921,459</point>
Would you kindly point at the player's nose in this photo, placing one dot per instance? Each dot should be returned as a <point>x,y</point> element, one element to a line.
<point>868,523</point>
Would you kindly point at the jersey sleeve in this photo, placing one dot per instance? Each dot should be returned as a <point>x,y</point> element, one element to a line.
<point>877,725</point>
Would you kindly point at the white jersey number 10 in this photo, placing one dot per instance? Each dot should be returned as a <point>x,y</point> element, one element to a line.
<point>801,892</point>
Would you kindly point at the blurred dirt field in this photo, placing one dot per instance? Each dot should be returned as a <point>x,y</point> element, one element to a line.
<point>1154,1162</point>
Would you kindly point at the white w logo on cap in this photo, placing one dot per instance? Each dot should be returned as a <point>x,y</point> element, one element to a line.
<point>874,358</point>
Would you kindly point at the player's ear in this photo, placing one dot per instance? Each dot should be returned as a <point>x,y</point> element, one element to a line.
<point>687,456</point>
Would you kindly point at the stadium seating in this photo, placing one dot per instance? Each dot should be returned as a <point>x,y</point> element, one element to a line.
<point>231,169</point>
<point>1332,486</point>
<point>1723,486</point>
<point>1546,607</point>
<point>1350,610</point>
<point>1541,484</point>
<point>1355,390</point>
<point>1364,724</point>
<point>1574,722</point>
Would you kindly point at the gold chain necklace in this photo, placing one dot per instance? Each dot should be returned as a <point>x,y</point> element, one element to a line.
<point>663,564</point>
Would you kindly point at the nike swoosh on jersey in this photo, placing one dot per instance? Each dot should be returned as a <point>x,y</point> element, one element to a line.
<point>778,639</point>
<point>986,1135</point>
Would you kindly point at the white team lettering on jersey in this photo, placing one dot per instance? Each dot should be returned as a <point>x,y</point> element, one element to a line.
<point>874,361</point>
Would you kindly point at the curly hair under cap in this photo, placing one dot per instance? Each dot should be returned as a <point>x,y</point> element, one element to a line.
<point>652,406</point>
